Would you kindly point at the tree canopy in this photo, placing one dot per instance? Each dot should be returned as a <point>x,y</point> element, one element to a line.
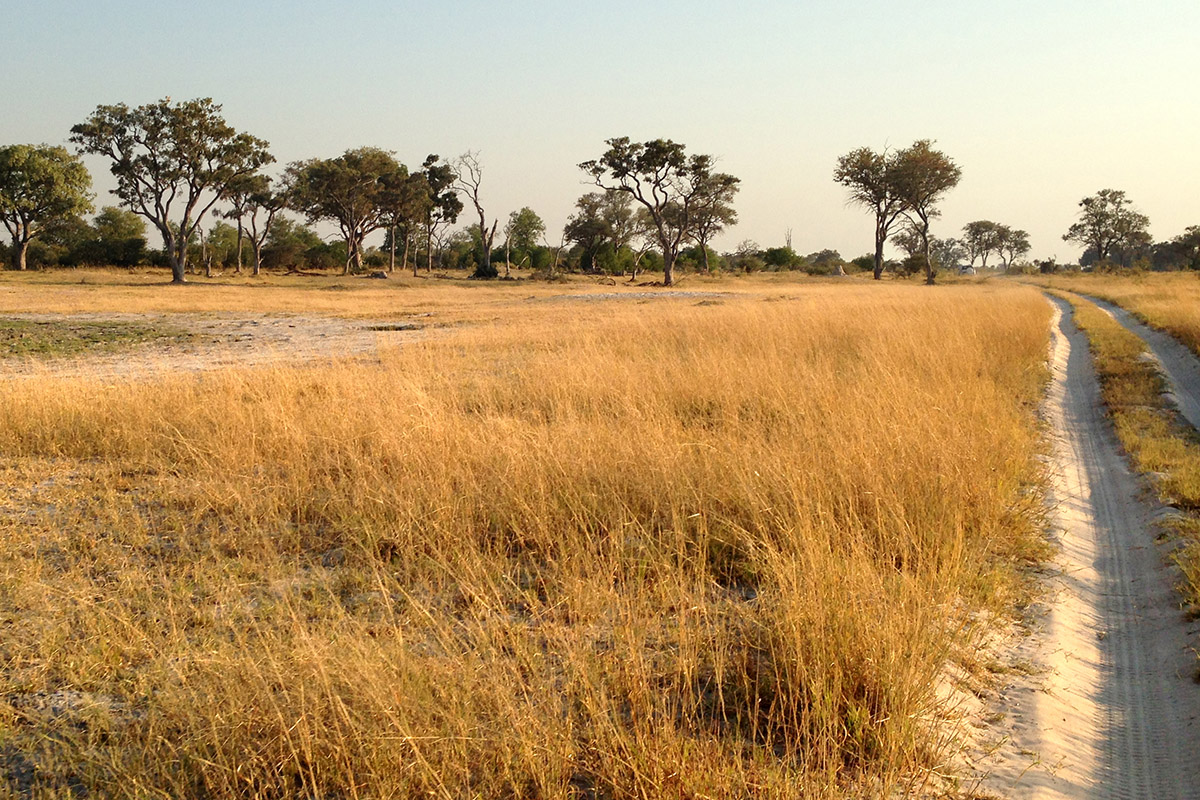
<point>442,204</point>
<point>921,177</point>
<point>667,182</point>
<point>871,179</point>
<point>1108,222</point>
<point>39,185</point>
<point>981,238</point>
<point>713,211</point>
<point>173,162</point>
<point>351,190</point>
<point>1014,244</point>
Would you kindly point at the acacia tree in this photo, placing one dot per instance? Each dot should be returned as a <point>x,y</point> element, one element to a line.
<point>921,177</point>
<point>1107,221</point>
<point>351,190</point>
<point>871,179</point>
<point>470,178</point>
<point>981,238</point>
<point>40,185</point>
<point>1013,245</point>
<point>664,180</point>
<point>172,162</point>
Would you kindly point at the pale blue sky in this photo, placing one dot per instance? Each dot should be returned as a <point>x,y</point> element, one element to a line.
<point>1041,103</point>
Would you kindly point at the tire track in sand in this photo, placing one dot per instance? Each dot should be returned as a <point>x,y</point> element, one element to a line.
<point>1113,711</point>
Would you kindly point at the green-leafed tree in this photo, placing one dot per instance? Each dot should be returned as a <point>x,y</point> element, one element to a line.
<point>946,253</point>
<point>981,238</point>
<point>442,205</point>
<point>291,245</point>
<point>922,176</point>
<point>601,220</point>
<point>173,162</point>
<point>713,212</point>
<point>406,201</point>
<point>39,185</point>
<point>1186,247</point>
<point>350,190</point>
<point>260,207</point>
<point>238,196</point>
<point>1108,223</point>
<point>1014,244</point>
<point>871,179</point>
<point>661,177</point>
<point>222,242</point>
<point>521,234</point>
<point>122,236</point>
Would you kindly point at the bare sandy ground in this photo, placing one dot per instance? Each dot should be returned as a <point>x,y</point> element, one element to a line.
<point>222,340</point>
<point>1109,708</point>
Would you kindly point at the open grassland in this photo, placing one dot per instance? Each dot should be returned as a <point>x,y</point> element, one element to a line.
<point>1157,440</point>
<point>1167,301</point>
<point>450,296</point>
<point>718,548</point>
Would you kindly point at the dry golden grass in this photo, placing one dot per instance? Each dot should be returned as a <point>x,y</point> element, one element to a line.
<point>589,549</point>
<point>146,291</point>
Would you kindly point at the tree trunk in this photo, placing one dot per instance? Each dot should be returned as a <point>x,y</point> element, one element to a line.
<point>352,256</point>
<point>929,272</point>
<point>178,268</point>
<point>177,256</point>
<point>20,252</point>
<point>392,255</point>
<point>485,268</point>
<point>241,231</point>
<point>880,240</point>
<point>407,245</point>
<point>428,248</point>
<point>704,255</point>
<point>668,267</point>
<point>205,255</point>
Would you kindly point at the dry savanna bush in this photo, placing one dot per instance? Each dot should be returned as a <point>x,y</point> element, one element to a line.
<point>598,549</point>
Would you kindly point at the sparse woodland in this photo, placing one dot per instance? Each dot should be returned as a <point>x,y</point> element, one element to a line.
<point>210,195</point>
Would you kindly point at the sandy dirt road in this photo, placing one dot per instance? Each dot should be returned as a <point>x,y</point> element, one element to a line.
<point>1111,709</point>
<point>1179,364</point>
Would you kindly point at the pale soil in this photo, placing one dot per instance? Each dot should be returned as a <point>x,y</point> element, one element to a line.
<point>220,340</point>
<point>1108,706</point>
<point>228,339</point>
